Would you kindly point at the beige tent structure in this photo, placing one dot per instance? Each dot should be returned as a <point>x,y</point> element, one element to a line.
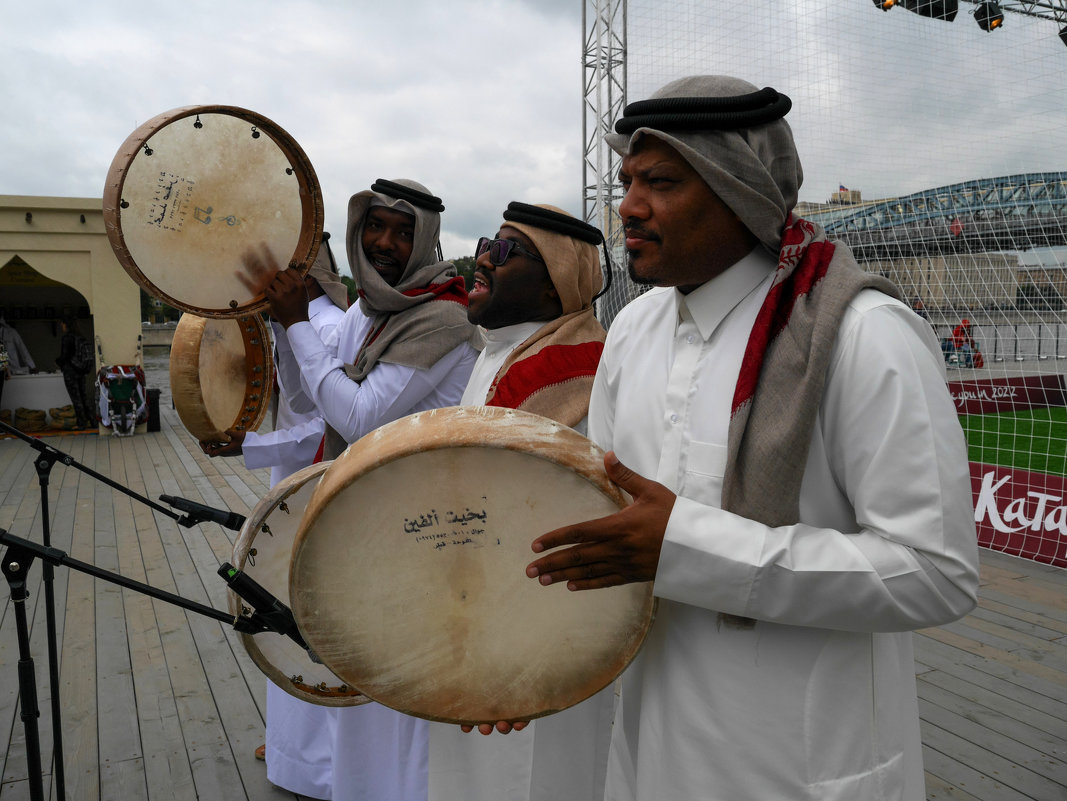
<point>55,261</point>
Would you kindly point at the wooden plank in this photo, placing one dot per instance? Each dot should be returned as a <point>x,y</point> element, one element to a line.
<point>1044,726</point>
<point>238,712</point>
<point>1039,625</point>
<point>1004,734</point>
<point>937,789</point>
<point>974,784</point>
<point>122,768</point>
<point>940,735</point>
<point>1024,688</point>
<point>1050,675</point>
<point>78,660</point>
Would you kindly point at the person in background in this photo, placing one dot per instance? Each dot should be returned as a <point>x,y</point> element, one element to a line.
<point>801,492</point>
<point>73,373</point>
<point>19,360</point>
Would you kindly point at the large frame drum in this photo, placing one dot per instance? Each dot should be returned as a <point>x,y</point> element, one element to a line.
<point>194,189</point>
<point>262,551</point>
<point>221,374</point>
<point>408,571</point>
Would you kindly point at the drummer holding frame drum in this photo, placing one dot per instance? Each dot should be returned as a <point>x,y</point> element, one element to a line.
<point>534,286</point>
<point>405,347</point>
<point>300,758</point>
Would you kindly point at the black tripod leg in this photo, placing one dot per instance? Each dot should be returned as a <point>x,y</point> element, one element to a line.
<point>15,566</point>
<point>44,466</point>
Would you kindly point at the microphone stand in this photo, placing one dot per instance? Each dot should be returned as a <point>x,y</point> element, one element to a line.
<point>269,614</point>
<point>46,458</point>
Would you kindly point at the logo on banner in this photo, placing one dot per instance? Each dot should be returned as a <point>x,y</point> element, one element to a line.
<point>1021,513</point>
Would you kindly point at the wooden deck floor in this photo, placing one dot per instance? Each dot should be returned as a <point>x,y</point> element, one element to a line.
<point>159,703</point>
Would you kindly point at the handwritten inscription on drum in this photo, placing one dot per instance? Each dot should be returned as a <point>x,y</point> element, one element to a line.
<point>450,528</point>
<point>170,201</point>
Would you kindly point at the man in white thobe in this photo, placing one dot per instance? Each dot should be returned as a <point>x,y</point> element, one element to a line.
<point>405,347</point>
<point>299,758</point>
<point>811,500</point>
<point>533,293</point>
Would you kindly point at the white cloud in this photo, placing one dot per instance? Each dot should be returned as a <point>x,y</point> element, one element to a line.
<point>482,101</point>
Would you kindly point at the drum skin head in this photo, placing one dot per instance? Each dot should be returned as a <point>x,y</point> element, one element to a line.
<point>194,189</point>
<point>408,572</point>
<point>262,551</point>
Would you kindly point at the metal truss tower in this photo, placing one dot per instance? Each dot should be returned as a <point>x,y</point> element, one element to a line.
<point>604,83</point>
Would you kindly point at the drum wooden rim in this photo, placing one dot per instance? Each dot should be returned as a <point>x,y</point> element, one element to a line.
<point>186,380</point>
<point>313,216</point>
<point>293,684</point>
<point>451,430</point>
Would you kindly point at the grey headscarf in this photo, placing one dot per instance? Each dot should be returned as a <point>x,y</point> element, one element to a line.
<point>409,328</point>
<point>755,171</point>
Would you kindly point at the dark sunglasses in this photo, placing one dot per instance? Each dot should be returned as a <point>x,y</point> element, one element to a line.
<point>500,250</point>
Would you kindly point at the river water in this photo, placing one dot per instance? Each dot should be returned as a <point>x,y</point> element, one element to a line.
<point>157,372</point>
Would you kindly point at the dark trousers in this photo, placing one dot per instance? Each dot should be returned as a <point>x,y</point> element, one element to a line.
<point>75,383</point>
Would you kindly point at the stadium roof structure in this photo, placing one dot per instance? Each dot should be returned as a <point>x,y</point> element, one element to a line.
<point>1009,213</point>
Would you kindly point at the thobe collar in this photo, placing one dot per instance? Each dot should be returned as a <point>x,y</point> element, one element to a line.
<point>710,303</point>
<point>507,335</point>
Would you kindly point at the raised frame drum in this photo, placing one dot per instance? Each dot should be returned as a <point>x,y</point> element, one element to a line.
<point>221,374</point>
<point>262,551</point>
<point>195,188</point>
<point>408,571</point>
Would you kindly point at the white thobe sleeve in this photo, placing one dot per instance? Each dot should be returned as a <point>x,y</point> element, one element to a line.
<point>296,444</point>
<point>354,409</point>
<point>289,378</point>
<point>894,464</point>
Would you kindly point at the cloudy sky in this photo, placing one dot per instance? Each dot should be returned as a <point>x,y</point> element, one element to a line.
<point>482,101</point>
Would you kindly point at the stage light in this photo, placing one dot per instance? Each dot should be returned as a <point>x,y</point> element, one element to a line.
<point>885,5</point>
<point>937,9</point>
<point>989,16</point>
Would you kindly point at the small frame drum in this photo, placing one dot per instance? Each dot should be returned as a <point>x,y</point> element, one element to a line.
<point>221,374</point>
<point>408,572</point>
<point>193,189</point>
<point>263,549</point>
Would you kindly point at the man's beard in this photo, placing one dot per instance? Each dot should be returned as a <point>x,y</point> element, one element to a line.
<point>643,280</point>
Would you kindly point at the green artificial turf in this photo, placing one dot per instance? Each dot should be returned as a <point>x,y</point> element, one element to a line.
<point>1035,439</point>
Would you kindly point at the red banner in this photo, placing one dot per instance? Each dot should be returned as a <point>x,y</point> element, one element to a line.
<point>1021,513</point>
<point>1012,394</point>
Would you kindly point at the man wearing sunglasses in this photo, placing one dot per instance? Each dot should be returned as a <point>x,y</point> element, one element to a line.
<point>534,287</point>
<point>405,347</point>
<point>807,500</point>
<point>533,293</point>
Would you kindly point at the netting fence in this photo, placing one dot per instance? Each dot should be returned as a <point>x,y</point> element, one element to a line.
<point>936,150</point>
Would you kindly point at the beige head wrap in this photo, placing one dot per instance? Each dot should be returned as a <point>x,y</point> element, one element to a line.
<point>551,373</point>
<point>573,265</point>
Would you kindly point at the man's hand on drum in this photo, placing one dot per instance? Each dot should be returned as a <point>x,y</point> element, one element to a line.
<point>231,448</point>
<point>617,549</point>
<point>283,289</point>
